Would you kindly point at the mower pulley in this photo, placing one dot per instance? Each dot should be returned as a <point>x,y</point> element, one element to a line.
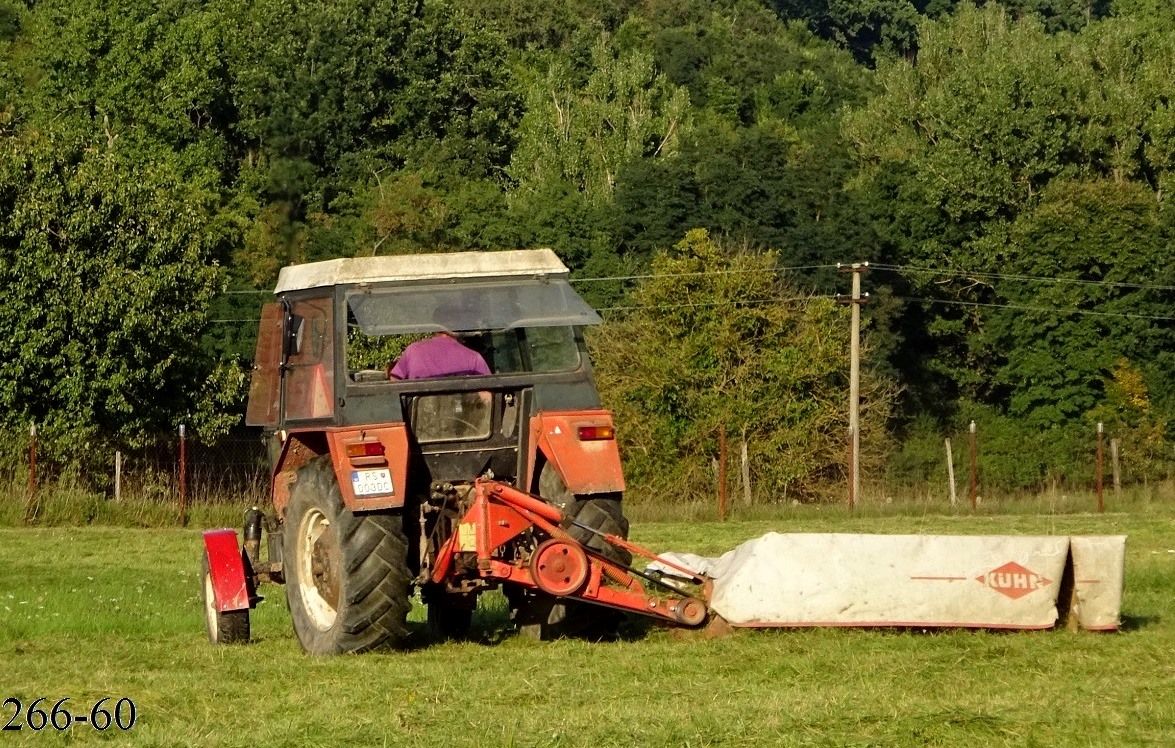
<point>559,568</point>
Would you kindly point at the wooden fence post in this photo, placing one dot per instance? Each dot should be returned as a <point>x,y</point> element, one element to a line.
<point>1114,468</point>
<point>30,510</point>
<point>746,470</point>
<point>117,475</point>
<point>722,473</point>
<point>951,471</point>
<point>1100,438</point>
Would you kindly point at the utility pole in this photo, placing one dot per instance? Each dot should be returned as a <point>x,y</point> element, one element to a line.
<point>856,300</point>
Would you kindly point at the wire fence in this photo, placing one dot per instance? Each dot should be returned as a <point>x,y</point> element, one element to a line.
<point>184,472</point>
<point>165,468</point>
<point>229,469</point>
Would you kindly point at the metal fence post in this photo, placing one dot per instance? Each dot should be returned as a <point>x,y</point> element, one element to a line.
<point>974,468</point>
<point>1115,469</point>
<point>30,510</point>
<point>183,477</point>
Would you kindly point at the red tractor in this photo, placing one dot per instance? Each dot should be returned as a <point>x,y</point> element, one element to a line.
<point>451,484</point>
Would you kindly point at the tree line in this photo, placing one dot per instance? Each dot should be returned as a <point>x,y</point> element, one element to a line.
<point>1003,165</point>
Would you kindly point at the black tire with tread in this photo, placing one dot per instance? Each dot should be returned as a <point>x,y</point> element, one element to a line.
<point>602,512</point>
<point>373,577</point>
<point>540,616</point>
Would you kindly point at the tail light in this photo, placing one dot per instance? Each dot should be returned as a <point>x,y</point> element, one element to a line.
<point>596,433</point>
<point>365,449</point>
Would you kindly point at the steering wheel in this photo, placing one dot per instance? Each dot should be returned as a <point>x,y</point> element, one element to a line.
<point>471,427</point>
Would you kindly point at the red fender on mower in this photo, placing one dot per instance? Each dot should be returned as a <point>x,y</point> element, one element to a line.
<point>226,564</point>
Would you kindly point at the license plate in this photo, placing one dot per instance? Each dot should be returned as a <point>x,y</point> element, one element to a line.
<point>371,482</point>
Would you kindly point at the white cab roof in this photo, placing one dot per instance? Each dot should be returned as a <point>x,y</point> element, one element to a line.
<point>497,264</point>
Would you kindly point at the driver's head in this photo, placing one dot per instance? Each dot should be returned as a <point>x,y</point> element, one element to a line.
<point>456,315</point>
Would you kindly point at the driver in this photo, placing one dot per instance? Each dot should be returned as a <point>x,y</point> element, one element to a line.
<point>442,355</point>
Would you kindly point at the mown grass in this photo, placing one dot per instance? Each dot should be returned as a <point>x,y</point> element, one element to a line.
<point>101,611</point>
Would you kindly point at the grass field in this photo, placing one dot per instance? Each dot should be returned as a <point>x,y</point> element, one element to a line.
<point>92,612</point>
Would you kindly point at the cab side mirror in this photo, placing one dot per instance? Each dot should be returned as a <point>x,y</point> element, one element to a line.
<point>295,334</point>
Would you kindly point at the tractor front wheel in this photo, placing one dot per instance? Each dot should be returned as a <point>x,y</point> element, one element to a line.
<point>347,577</point>
<point>230,627</point>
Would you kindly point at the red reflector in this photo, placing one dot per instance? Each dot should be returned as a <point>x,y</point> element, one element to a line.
<point>596,433</point>
<point>365,449</point>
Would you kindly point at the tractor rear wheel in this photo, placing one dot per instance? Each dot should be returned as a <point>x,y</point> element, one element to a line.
<point>347,577</point>
<point>601,512</point>
<point>541,616</point>
<point>230,627</point>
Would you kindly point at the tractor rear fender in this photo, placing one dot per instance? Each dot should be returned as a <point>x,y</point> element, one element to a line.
<point>582,446</point>
<point>361,458</point>
<point>366,457</point>
<point>226,565</point>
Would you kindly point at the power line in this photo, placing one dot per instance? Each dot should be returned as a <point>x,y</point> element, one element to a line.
<point>637,307</point>
<point>1051,310</point>
<point>647,276</point>
<point>916,299</point>
<point>728,302</point>
<point>652,276</point>
<point>1011,276</point>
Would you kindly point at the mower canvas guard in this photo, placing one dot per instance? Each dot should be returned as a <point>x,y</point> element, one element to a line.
<point>559,565</point>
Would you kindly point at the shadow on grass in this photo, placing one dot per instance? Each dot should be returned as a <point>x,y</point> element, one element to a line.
<point>491,626</point>
<point>1137,623</point>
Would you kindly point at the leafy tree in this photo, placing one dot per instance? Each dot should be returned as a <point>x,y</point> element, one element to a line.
<point>583,136</point>
<point>136,69</point>
<point>764,162</point>
<point>535,27</point>
<point>735,348</point>
<point>105,264</point>
<point>865,27</point>
<point>358,119</point>
<point>1128,416</point>
<point>1005,153</point>
<point>1055,364</point>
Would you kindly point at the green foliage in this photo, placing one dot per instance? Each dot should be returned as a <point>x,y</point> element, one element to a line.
<point>105,262</point>
<point>866,27</point>
<point>358,118</point>
<point>1128,416</point>
<point>200,145</point>
<point>377,352</point>
<point>583,135</point>
<point>1008,154</point>
<point>737,349</point>
<point>764,162</point>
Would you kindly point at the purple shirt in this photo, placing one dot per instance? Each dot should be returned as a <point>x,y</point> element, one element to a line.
<point>438,356</point>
